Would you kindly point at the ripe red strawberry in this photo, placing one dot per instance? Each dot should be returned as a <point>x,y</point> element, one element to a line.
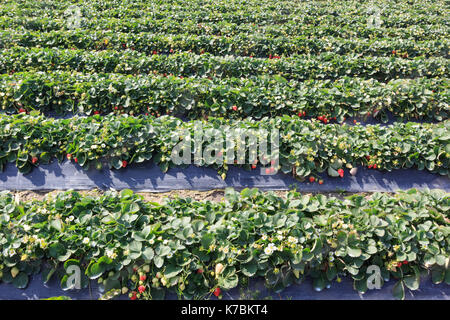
<point>270,56</point>
<point>124,163</point>
<point>300,114</point>
<point>253,166</point>
<point>325,120</point>
<point>22,110</point>
<point>217,292</point>
<point>267,170</point>
<point>96,112</point>
<point>272,169</point>
<point>143,277</point>
<point>405,262</point>
<point>199,271</point>
<point>312,179</point>
<point>154,52</point>
<point>370,166</point>
<point>171,50</point>
<point>375,166</point>
<point>234,108</point>
<point>69,156</point>
<point>354,121</point>
<point>394,52</point>
<point>133,295</point>
<point>320,118</point>
<point>399,264</point>
<point>320,181</point>
<point>368,157</point>
<point>341,172</point>
<point>34,160</point>
<point>116,108</point>
<point>76,160</point>
<point>141,289</point>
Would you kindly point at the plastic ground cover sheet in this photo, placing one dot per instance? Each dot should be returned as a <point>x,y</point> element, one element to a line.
<point>338,291</point>
<point>148,177</point>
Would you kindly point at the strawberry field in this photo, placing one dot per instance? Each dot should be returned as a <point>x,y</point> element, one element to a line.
<point>348,87</point>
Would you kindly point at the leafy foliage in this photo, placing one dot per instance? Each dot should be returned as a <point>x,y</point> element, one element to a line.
<point>193,247</point>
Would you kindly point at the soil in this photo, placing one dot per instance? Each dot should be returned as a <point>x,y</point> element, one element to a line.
<point>211,195</point>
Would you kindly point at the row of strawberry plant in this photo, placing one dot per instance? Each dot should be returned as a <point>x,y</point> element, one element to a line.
<point>306,148</point>
<point>281,13</point>
<point>303,67</point>
<point>242,44</point>
<point>419,98</point>
<point>197,249</point>
<point>347,29</point>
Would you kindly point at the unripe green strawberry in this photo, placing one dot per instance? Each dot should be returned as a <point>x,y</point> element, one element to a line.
<point>111,274</point>
<point>124,290</point>
<point>14,272</point>
<point>134,278</point>
<point>100,280</point>
<point>146,268</point>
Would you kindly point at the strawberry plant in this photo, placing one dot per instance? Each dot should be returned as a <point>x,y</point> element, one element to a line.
<point>420,98</point>
<point>143,249</point>
<point>306,147</point>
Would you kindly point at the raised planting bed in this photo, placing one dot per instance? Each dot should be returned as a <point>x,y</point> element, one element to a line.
<point>419,98</point>
<point>306,148</point>
<point>199,249</point>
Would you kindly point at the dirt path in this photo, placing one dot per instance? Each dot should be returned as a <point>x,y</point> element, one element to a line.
<point>212,195</point>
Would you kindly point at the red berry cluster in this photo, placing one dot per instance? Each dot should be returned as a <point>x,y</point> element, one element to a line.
<point>400,263</point>
<point>326,119</point>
